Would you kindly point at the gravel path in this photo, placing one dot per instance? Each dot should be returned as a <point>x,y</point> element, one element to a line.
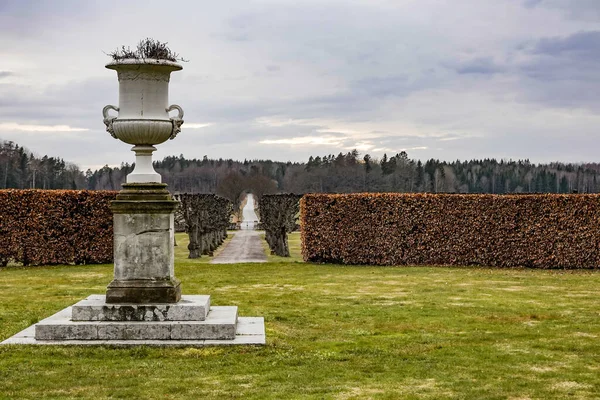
<point>245,247</point>
<point>246,244</point>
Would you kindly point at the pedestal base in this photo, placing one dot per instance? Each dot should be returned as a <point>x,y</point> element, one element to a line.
<point>221,323</point>
<point>250,331</point>
<point>95,308</point>
<point>218,326</point>
<point>143,291</point>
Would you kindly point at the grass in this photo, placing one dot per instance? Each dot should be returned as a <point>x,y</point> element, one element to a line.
<point>333,332</point>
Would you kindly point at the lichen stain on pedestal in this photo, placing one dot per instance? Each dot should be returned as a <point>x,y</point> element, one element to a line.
<point>144,246</point>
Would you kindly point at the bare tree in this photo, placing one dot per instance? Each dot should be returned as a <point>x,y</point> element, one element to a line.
<point>232,187</point>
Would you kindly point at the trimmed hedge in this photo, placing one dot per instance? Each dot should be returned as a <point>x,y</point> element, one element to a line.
<point>537,231</point>
<point>41,227</point>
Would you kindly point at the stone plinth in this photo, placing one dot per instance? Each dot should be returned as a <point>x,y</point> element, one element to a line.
<point>143,246</point>
<point>249,331</point>
<point>220,324</point>
<point>192,322</point>
<point>95,308</point>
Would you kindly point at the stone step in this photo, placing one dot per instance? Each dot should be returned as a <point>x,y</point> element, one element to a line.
<point>220,324</point>
<point>95,308</point>
<point>250,331</point>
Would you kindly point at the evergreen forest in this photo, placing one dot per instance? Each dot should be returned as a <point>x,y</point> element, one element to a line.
<point>342,173</point>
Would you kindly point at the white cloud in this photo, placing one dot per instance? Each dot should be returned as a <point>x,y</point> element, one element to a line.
<point>362,146</point>
<point>188,125</point>
<point>13,126</point>
<point>345,131</point>
<point>277,122</point>
<point>307,141</point>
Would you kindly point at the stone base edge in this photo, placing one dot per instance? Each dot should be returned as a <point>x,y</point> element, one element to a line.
<point>250,331</point>
<point>95,308</point>
<point>143,292</point>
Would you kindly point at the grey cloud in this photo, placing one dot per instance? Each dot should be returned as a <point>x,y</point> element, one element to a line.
<point>77,103</point>
<point>225,110</point>
<point>581,45</point>
<point>399,85</point>
<point>232,36</point>
<point>585,10</point>
<point>481,66</point>
<point>549,69</point>
<point>240,27</point>
<point>363,94</point>
<point>30,18</point>
<point>344,104</point>
<point>241,140</point>
<point>532,3</point>
<point>564,93</point>
<point>20,102</point>
<point>562,71</point>
<point>4,74</point>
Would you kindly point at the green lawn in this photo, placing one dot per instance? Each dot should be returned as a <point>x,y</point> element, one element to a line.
<point>333,332</point>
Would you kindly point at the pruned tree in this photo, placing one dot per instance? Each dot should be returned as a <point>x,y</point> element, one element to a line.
<point>278,214</point>
<point>232,187</point>
<point>206,219</point>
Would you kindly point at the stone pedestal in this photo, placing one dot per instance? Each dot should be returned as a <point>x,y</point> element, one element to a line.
<point>192,322</point>
<point>143,246</point>
<point>190,319</point>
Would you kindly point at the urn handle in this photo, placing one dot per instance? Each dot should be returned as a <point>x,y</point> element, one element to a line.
<point>108,119</point>
<point>177,121</point>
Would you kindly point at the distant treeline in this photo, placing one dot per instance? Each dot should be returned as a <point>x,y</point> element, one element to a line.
<point>344,173</point>
<point>20,169</point>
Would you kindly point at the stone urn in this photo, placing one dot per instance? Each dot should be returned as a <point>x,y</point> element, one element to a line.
<point>143,118</point>
<point>143,209</point>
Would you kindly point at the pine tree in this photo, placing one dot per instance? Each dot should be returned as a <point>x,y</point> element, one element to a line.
<point>367,164</point>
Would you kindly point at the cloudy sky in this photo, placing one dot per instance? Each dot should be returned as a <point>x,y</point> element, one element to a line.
<point>448,79</point>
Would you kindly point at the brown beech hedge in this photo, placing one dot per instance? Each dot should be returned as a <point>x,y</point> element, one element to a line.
<point>536,231</point>
<point>41,227</point>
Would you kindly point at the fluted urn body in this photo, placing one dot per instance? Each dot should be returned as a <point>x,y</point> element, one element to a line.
<point>143,113</point>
